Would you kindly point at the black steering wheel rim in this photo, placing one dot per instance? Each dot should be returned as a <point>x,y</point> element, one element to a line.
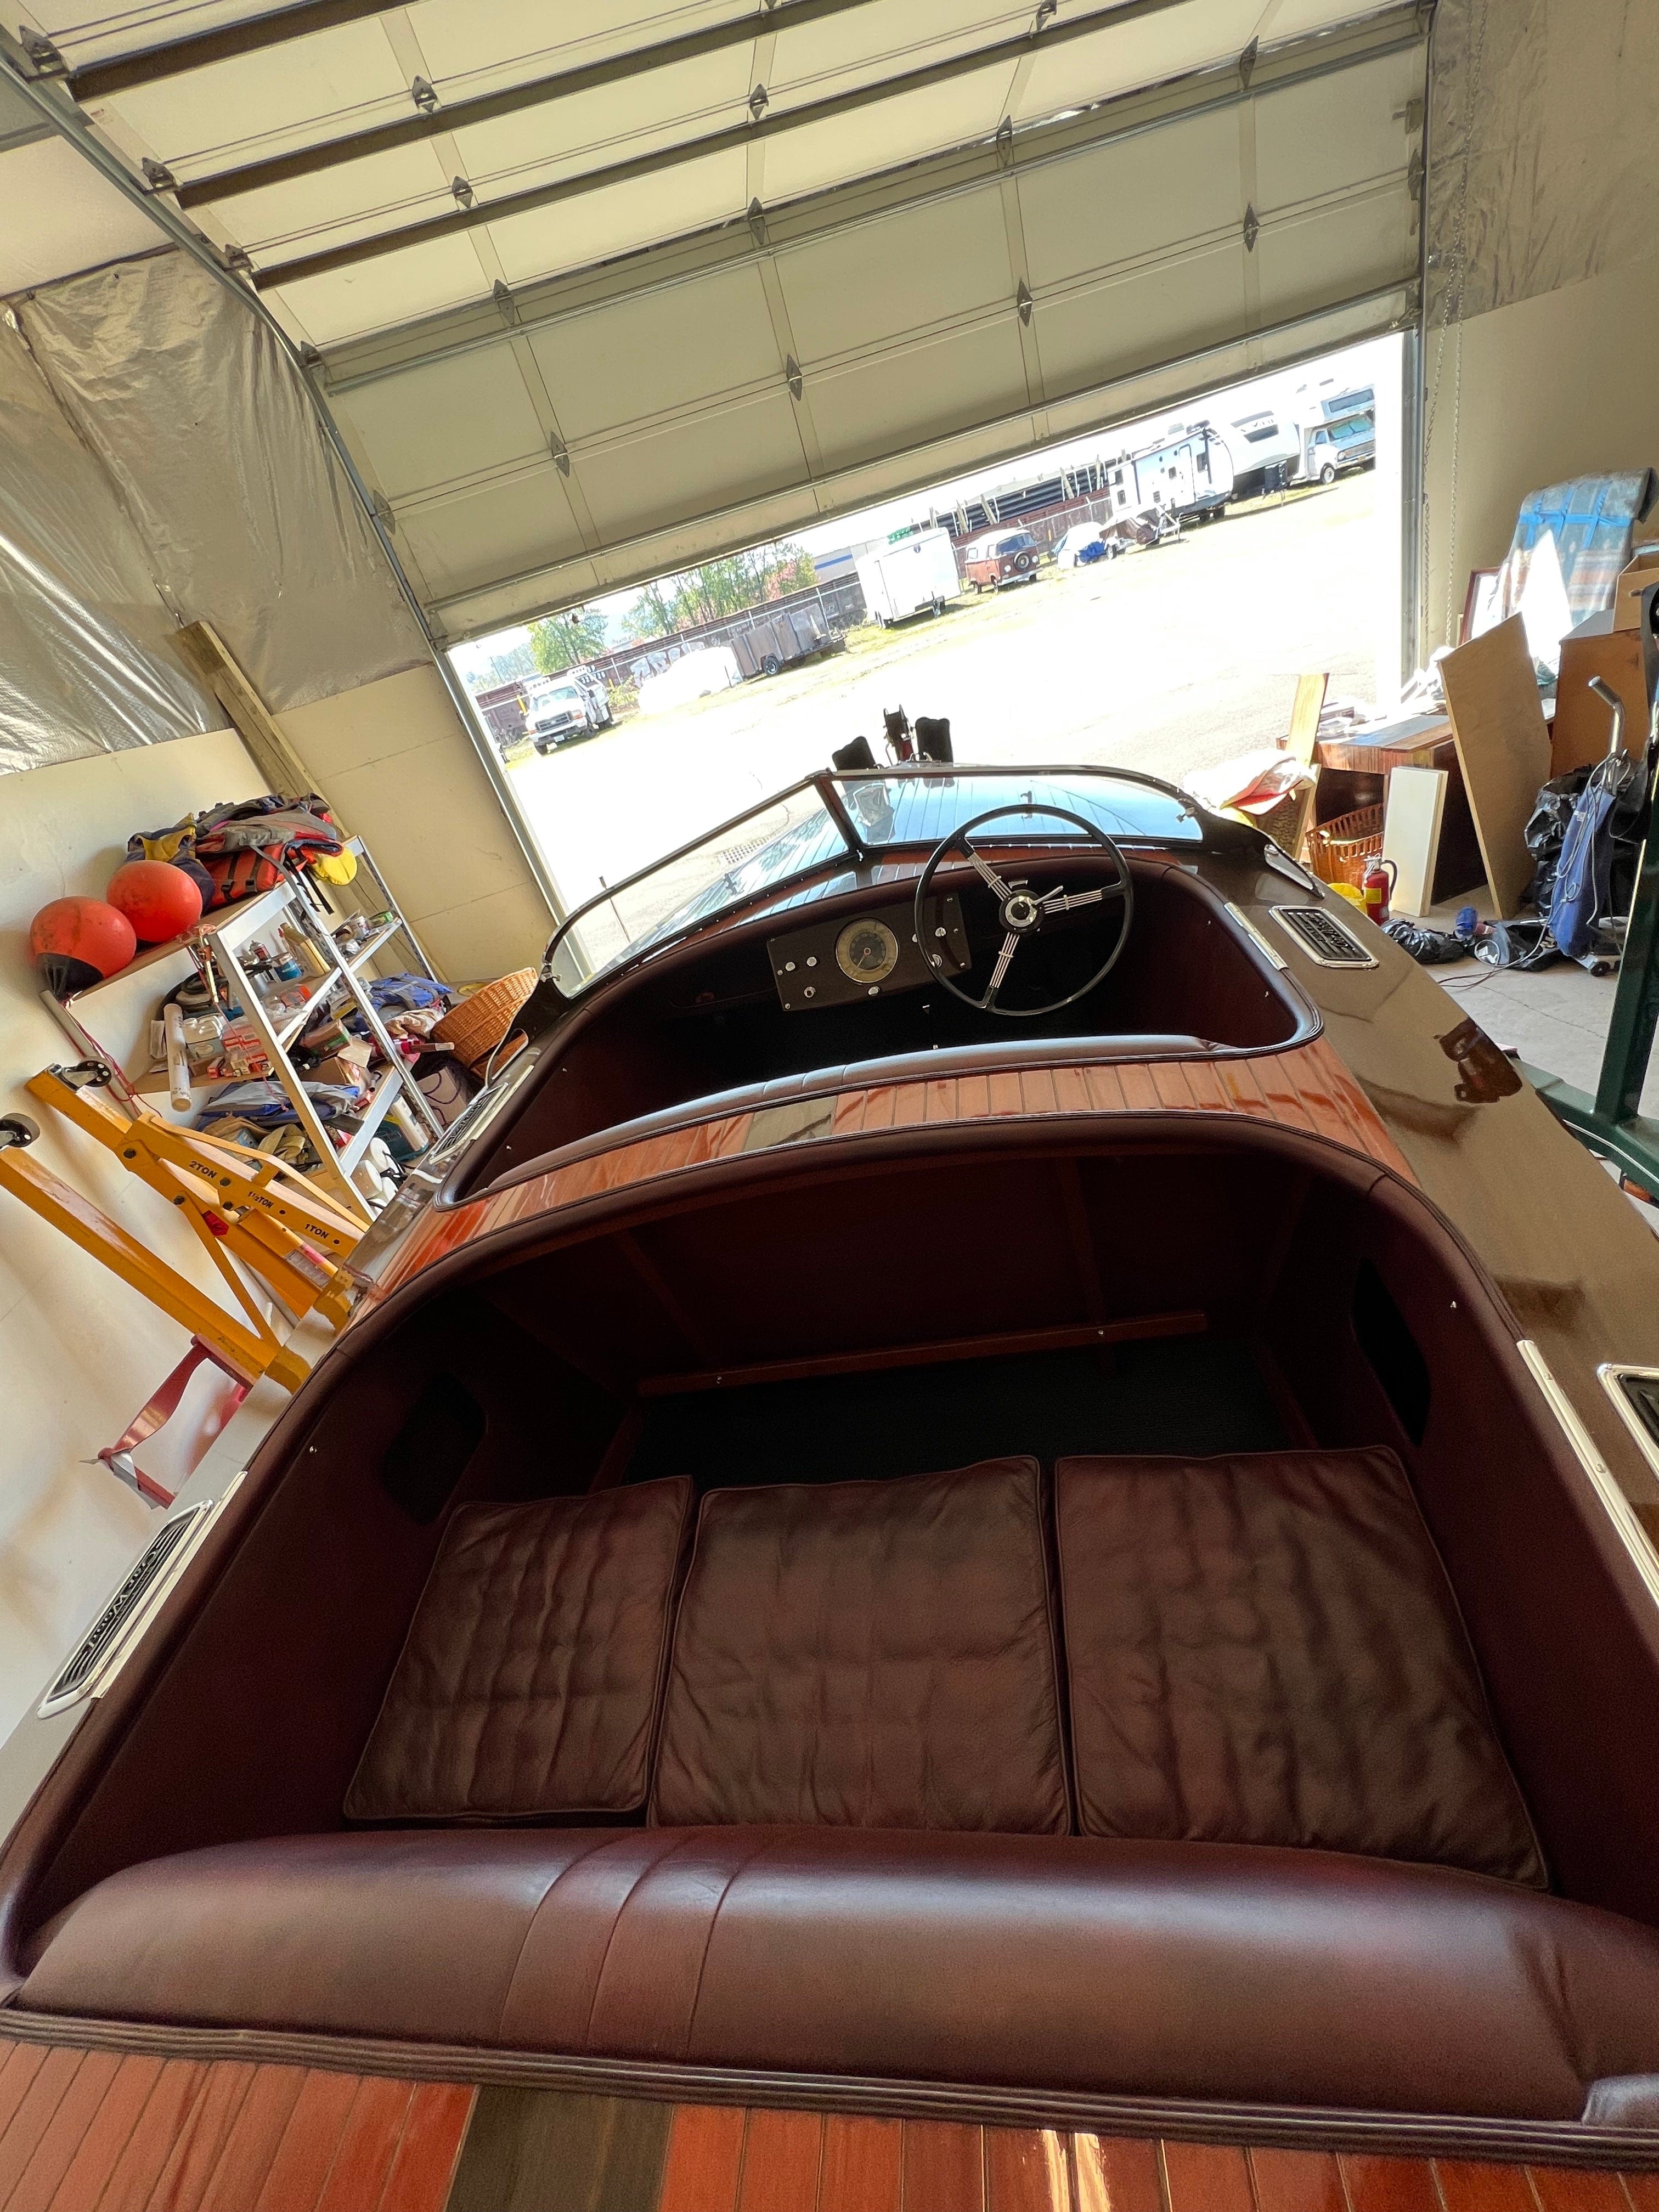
<point>1021,913</point>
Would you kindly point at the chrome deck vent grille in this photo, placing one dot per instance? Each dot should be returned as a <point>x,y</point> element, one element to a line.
<point>1322,937</point>
<point>104,1637</point>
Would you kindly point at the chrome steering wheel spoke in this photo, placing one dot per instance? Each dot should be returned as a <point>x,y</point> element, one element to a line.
<point>1004,961</point>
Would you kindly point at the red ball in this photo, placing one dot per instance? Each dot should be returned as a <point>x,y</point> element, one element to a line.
<point>159,900</point>
<point>76,940</point>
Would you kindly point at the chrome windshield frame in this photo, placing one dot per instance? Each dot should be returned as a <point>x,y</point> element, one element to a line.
<point>827,784</point>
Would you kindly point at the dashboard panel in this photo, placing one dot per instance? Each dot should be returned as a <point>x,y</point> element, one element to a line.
<point>868,956</point>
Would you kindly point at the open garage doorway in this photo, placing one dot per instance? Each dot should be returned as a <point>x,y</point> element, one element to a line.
<point>1145,597</point>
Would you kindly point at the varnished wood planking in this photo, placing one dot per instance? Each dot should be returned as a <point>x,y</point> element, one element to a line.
<point>35,2112</point>
<point>704,2161</point>
<point>368,2142</point>
<point>305,2155</point>
<point>1471,2188</point>
<point>1390,2184</point>
<point>1566,2189</point>
<point>1027,2170</point>
<point>423,2169</point>
<point>146,2151</point>
<point>41,2175</point>
<point>1298,2181</point>
<point>944,2166</point>
<point>782,2158</point>
<point>1306,1088</point>
<point>238,2174</point>
<point>1206,2178</point>
<point>1117,2174</point>
<point>863,2165</point>
<point>107,2134</point>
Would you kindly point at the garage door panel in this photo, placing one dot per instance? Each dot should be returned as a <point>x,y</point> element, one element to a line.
<point>667,349</point>
<point>719,460</point>
<point>1113,329</point>
<point>421,280</point>
<point>1147,50</point>
<point>1139,196</point>
<point>613,123</point>
<point>527,38</point>
<point>817,58</point>
<point>903,129</point>
<point>905,272</point>
<point>577,233</point>
<point>1359,246</point>
<point>357,201</point>
<point>925,393</point>
<point>1322,136</point>
<point>449,419</point>
<point>263,103</point>
<point>499,529</point>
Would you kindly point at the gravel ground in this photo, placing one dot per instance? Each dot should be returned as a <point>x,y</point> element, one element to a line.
<point>1166,660</point>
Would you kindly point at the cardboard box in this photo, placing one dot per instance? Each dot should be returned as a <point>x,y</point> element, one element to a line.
<point>1641,574</point>
<point>1582,723</point>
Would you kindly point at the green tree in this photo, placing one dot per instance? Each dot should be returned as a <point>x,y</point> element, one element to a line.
<point>652,614</point>
<point>562,640</point>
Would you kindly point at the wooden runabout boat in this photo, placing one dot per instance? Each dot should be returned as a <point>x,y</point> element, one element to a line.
<point>983,1541</point>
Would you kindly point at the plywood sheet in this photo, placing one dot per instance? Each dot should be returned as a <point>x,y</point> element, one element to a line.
<point>1411,833</point>
<point>1503,748</point>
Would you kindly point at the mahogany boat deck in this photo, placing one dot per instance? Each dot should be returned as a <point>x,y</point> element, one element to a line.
<point>93,2130</point>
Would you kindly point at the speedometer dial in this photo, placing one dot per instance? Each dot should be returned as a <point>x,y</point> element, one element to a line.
<point>866,953</point>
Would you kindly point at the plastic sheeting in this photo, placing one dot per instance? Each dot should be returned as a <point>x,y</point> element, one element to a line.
<point>85,662</point>
<point>1541,147</point>
<point>247,518</point>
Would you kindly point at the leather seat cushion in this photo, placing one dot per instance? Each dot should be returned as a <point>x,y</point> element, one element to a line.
<point>528,1685</point>
<point>1265,1648</point>
<point>867,1654</point>
<point>1067,1963</point>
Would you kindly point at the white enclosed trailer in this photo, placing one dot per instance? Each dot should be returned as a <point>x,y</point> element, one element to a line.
<point>912,576</point>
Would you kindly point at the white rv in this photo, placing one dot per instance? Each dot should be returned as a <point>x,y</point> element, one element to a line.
<point>911,576</point>
<point>1188,474</point>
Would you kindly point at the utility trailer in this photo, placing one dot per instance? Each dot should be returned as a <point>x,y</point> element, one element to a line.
<point>765,648</point>
<point>912,576</point>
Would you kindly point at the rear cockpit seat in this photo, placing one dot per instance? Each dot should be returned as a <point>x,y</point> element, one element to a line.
<point>1187,1788</point>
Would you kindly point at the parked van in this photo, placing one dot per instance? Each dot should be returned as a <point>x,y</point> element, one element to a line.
<point>1004,557</point>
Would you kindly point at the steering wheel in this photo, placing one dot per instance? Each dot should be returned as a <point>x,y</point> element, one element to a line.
<point>1023,912</point>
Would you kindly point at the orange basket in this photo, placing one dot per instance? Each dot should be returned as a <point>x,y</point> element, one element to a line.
<point>1340,850</point>
<point>479,1023</point>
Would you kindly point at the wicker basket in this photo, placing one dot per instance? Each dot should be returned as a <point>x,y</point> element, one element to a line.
<point>1340,851</point>
<point>477,1026</point>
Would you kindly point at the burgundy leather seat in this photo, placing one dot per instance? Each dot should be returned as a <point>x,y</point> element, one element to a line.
<point>1195,1971</point>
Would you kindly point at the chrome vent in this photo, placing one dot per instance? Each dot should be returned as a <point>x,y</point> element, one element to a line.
<point>1322,937</point>
<point>99,1646</point>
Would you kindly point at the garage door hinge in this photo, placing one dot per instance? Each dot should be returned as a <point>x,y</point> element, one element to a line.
<point>46,57</point>
<point>758,102</point>
<point>238,260</point>
<point>1023,301</point>
<point>506,305</point>
<point>1252,230</point>
<point>792,375</point>
<point>463,192</point>
<point>757,223</point>
<point>158,176</point>
<point>1247,64</point>
<point>1045,9</point>
<point>1414,174</point>
<point>383,514</point>
<point>422,95</point>
<point>560,453</point>
<point>1006,140</point>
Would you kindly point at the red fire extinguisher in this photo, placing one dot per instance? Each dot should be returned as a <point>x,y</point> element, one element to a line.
<point>1378,887</point>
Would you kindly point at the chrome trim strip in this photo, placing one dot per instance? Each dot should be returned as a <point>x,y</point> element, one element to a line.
<point>133,1631</point>
<point>1256,938</point>
<point>1612,1374</point>
<point>1619,1511</point>
<point>1363,957</point>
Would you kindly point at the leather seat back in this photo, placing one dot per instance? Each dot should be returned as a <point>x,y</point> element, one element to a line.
<point>867,1654</point>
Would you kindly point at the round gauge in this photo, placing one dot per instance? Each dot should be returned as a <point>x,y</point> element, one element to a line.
<point>866,953</point>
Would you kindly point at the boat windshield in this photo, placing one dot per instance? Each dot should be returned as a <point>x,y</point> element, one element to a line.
<point>847,818</point>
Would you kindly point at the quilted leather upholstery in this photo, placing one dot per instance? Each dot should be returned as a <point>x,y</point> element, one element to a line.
<point>1265,1649</point>
<point>529,1682</point>
<point>867,1654</point>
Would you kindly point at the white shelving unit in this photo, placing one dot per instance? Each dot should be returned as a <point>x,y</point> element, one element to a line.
<point>225,934</point>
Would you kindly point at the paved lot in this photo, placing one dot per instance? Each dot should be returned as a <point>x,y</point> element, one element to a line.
<point>1166,660</point>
